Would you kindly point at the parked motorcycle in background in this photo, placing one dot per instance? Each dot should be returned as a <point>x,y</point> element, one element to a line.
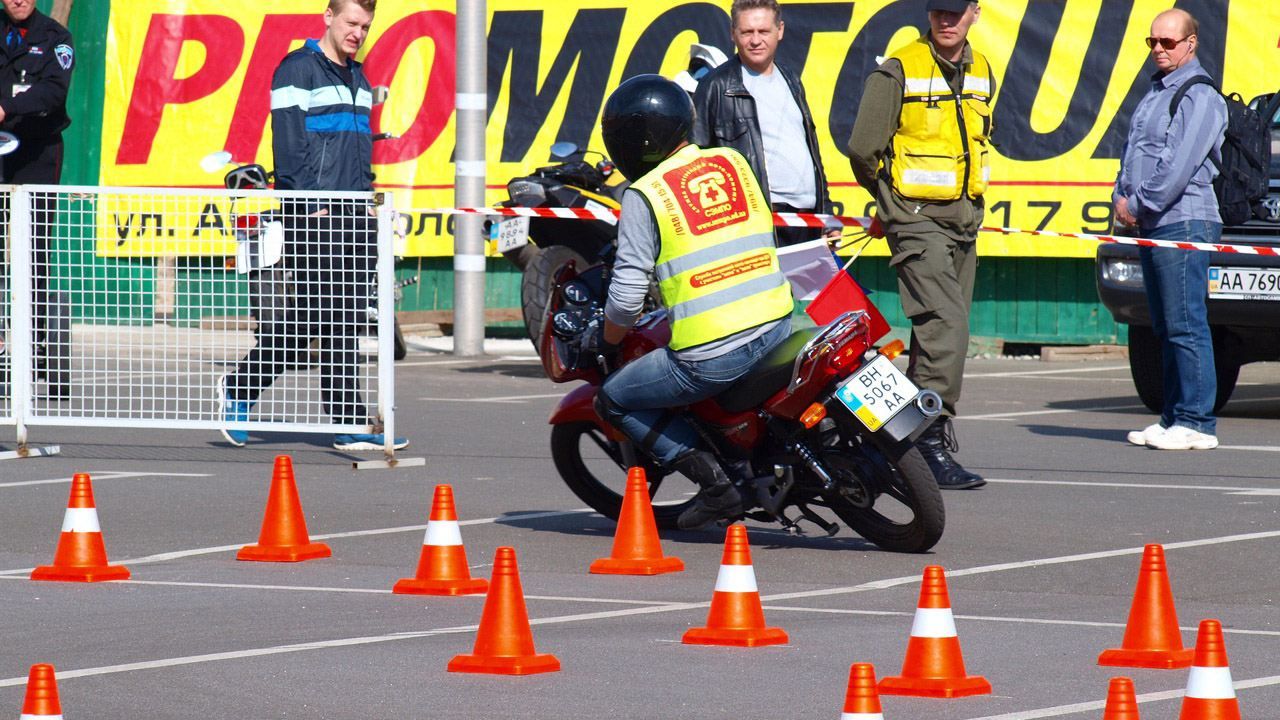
<point>259,239</point>
<point>822,422</point>
<point>539,247</point>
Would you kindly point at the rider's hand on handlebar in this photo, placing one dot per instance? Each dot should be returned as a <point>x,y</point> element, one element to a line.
<point>593,339</point>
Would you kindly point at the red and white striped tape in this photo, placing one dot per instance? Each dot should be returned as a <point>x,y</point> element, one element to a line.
<point>820,220</point>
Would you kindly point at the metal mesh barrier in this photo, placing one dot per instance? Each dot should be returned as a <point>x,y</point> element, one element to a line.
<point>6,305</point>
<point>201,309</point>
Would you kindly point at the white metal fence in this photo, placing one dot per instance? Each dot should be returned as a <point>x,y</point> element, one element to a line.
<point>198,309</point>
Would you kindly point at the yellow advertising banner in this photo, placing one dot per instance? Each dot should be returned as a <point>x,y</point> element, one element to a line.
<point>186,78</point>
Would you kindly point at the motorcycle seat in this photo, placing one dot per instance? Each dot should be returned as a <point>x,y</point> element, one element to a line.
<point>770,375</point>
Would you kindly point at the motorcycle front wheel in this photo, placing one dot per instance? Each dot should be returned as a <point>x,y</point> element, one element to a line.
<point>887,495</point>
<point>591,465</point>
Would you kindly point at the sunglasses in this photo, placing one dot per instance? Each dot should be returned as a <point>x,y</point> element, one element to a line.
<point>1166,43</point>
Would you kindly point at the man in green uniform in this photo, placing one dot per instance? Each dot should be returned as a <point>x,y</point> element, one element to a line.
<point>920,146</point>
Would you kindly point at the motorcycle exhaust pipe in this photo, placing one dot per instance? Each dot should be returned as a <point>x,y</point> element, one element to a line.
<point>929,403</point>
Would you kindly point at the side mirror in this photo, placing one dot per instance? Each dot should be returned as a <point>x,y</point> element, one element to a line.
<point>8,143</point>
<point>563,149</point>
<point>215,161</point>
<point>380,94</point>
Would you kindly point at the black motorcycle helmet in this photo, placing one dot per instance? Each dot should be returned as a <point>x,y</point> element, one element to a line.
<point>644,120</point>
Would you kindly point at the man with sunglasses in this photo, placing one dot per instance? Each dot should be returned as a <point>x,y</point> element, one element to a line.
<point>920,146</point>
<point>1165,191</point>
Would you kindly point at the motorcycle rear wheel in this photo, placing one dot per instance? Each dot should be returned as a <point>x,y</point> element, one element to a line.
<point>911,485</point>
<point>567,444</point>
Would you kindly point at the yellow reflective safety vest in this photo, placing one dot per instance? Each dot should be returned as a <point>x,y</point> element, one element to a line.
<point>717,265</point>
<point>940,152</point>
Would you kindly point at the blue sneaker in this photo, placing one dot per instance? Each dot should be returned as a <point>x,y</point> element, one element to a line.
<point>232,410</point>
<point>366,441</point>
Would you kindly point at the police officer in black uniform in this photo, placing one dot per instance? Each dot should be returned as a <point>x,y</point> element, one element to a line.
<point>36,58</point>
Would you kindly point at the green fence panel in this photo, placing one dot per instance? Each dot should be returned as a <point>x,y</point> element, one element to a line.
<point>1049,301</point>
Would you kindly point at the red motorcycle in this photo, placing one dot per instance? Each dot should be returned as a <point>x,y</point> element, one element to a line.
<point>822,422</point>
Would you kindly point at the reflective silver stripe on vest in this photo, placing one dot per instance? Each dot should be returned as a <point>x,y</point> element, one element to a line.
<point>721,298</point>
<point>707,255</point>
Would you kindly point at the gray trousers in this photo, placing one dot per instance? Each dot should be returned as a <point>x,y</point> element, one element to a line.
<point>935,281</point>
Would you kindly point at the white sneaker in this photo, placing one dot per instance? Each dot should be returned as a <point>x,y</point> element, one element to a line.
<point>1143,437</point>
<point>1179,437</point>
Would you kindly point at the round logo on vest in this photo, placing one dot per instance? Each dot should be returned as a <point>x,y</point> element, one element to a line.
<point>710,194</point>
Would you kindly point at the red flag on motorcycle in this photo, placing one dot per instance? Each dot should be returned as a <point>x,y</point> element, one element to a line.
<point>844,294</point>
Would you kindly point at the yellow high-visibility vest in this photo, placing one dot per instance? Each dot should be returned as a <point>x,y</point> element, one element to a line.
<point>940,151</point>
<point>717,265</point>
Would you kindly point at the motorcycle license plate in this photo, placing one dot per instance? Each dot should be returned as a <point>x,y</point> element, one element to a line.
<point>510,233</point>
<point>877,392</point>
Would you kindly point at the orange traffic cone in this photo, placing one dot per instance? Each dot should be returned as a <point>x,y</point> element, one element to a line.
<point>934,666</point>
<point>284,530</point>
<point>41,702</point>
<point>861,701</point>
<point>1151,637</point>
<point>1122,702</point>
<point>636,547</point>
<point>504,642</point>
<point>442,566</point>
<point>1210,695</point>
<point>81,555</point>
<point>736,617</point>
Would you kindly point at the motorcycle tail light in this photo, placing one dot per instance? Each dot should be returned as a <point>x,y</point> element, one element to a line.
<point>893,349</point>
<point>847,356</point>
<point>813,415</point>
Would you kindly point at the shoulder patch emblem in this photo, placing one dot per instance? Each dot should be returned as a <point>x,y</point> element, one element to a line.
<point>65,56</point>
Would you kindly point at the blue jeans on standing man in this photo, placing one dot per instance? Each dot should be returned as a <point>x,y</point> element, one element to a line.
<point>646,387</point>
<point>1177,283</point>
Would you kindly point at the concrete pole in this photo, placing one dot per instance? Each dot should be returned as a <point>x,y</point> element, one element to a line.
<point>469,179</point>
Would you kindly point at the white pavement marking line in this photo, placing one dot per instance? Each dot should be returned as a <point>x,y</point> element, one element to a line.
<point>108,475</point>
<point>1060,411</point>
<point>179,554</point>
<point>1061,710</point>
<point>368,591</point>
<point>1033,373</point>
<point>1107,408</point>
<point>991,618</point>
<point>1252,448</point>
<point>663,608</point>
<point>479,361</point>
<point>510,399</point>
<point>1144,486</point>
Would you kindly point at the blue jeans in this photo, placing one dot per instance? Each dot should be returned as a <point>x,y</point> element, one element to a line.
<point>1177,283</point>
<point>646,388</point>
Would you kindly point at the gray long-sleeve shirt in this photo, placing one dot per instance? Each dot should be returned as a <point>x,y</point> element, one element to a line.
<point>1166,171</point>
<point>638,247</point>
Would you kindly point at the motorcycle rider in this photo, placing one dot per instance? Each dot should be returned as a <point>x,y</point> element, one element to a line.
<point>698,220</point>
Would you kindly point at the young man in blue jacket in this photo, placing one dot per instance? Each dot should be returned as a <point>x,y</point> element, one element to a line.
<point>320,107</point>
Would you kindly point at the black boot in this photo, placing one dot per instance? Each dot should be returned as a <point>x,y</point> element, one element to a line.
<point>936,445</point>
<point>717,500</point>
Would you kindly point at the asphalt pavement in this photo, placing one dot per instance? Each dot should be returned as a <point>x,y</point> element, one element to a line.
<point>1041,567</point>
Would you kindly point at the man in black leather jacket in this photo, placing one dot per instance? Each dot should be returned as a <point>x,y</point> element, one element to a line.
<point>781,143</point>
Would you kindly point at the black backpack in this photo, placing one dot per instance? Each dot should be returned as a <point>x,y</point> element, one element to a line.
<point>1242,179</point>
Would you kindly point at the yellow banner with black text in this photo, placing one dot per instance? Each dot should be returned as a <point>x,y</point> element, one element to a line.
<point>186,78</point>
